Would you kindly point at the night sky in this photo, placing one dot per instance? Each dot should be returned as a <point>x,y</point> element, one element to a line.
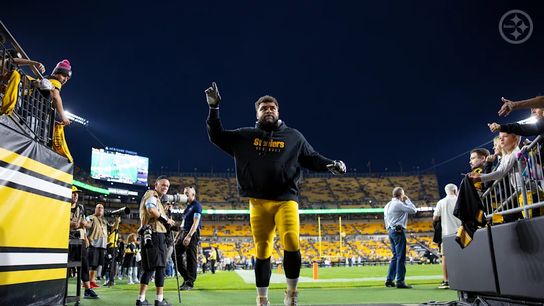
<point>387,82</point>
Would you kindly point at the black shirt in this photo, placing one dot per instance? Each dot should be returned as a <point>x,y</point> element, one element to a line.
<point>269,161</point>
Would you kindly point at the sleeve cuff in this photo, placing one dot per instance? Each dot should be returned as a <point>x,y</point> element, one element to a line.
<point>214,113</point>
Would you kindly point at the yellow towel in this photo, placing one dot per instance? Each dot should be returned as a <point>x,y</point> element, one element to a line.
<point>59,142</point>
<point>12,92</point>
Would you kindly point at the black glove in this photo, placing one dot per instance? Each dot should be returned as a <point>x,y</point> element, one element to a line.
<point>212,96</point>
<point>337,167</point>
<point>164,220</point>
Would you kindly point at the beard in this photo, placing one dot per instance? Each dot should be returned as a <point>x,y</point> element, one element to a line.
<point>268,122</point>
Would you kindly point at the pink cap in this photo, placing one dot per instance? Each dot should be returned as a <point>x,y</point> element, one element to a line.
<point>63,67</point>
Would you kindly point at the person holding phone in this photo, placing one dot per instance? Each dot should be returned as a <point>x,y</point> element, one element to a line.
<point>395,215</point>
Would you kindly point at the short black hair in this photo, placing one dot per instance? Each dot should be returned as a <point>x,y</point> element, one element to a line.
<point>481,152</point>
<point>266,99</point>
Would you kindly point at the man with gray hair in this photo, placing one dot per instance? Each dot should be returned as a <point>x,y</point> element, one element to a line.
<point>395,215</point>
<point>449,223</point>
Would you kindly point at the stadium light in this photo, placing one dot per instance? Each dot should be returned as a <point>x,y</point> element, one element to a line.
<point>76,118</point>
<point>530,120</point>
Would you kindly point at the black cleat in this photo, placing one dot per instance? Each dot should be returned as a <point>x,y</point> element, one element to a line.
<point>90,294</point>
<point>403,285</point>
<point>444,285</point>
<point>186,287</point>
<point>163,303</point>
<point>144,303</point>
<point>390,284</point>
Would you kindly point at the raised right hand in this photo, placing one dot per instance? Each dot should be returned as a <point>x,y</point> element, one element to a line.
<point>212,95</point>
<point>507,107</point>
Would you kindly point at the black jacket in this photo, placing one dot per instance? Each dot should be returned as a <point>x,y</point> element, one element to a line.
<point>268,162</point>
<point>469,210</point>
<point>524,129</point>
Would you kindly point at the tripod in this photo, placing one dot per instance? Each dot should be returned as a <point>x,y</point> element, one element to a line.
<point>175,264</point>
<point>113,265</point>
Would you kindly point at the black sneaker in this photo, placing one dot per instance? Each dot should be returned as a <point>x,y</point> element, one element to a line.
<point>390,284</point>
<point>163,303</point>
<point>444,285</point>
<point>403,285</point>
<point>186,287</point>
<point>144,303</point>
<point>90,294</point>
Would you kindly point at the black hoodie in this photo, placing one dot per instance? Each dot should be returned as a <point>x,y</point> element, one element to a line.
<point>268,160</point>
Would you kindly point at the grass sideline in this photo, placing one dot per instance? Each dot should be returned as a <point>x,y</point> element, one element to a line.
<point>228,288</point>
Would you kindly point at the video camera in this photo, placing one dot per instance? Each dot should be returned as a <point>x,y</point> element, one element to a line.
<point>118,212</point>
<point>146,232</point>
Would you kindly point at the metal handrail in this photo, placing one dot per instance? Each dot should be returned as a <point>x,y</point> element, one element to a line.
<point>515,184</point>
<point>18,47</point>
<point>34,113</point>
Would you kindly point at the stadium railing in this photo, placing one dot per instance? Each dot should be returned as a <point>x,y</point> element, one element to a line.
<point>521,188</point>
<point>33,113</point>
<point>499,261</point>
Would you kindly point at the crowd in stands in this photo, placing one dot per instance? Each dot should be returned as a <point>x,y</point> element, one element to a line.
<point>362,239</point>
<point>220,191</point>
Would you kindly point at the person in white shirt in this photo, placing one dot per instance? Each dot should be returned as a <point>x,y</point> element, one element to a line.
<point>395,216</point>
<point>450,223</point>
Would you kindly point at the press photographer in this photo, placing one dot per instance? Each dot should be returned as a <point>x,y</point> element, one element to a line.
<point>154,225</point>
<point>78,230</point>
<point>98,241</point>
<point>115,246</point>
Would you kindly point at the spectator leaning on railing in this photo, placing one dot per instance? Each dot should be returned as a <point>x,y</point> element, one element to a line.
<point>509,143</point>
<point>479,165</point>
<point>58,78</point>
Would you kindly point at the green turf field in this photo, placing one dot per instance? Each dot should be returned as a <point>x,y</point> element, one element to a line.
<point>345,285</point>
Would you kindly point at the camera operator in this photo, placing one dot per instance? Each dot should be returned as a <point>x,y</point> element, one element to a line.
<point>112,252</point>
<point>153,228</point>
<point>78,226</point>
<point>188,238</point>
<point>98,241</point>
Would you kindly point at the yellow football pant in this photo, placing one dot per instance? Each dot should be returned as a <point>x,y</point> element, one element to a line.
<point>265,216</point>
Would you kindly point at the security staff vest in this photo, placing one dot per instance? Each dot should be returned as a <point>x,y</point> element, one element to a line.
<point>145,217</point>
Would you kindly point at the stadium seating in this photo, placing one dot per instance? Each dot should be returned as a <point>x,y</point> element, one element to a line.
<point>220,191</point>
<point>360,238</point>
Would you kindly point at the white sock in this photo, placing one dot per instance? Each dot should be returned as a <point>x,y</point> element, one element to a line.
<point>292,284</point>
<point>160,297</point>
<point>262,291</point>
<point>141,297</point>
